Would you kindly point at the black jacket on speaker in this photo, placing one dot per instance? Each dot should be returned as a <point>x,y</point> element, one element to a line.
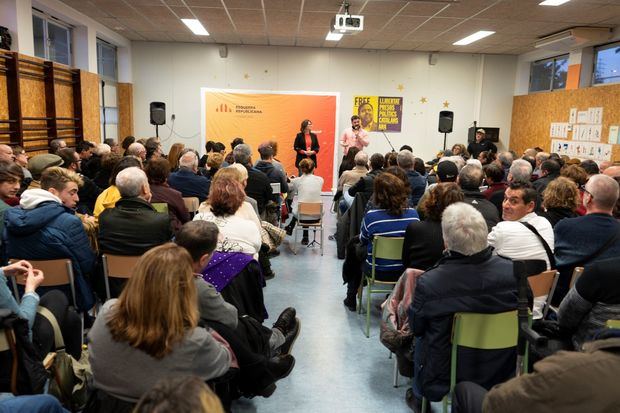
<point>300,145</point>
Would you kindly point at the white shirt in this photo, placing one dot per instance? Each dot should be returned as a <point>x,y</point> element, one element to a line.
<point>307,188</point>
<point>514,240</point>
<point>237,234</point>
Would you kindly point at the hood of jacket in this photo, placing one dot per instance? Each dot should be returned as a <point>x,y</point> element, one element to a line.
<point>34,214</point>
<point>265,167</point>
<point>31,198</point>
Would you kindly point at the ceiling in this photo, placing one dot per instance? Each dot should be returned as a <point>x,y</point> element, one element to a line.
<point>431,25</point>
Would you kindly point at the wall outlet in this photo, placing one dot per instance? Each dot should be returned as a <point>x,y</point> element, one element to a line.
<point>173,117</point>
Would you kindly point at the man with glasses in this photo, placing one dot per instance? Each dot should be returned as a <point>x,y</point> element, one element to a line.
<point>590,238</point>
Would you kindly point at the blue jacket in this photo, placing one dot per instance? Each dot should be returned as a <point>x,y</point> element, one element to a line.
<point>47,231</point>
<point>418,186</point>
<point>189,184</point>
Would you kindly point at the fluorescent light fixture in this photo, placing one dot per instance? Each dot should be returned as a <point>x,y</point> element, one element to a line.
<point>473,38</point>
<point>333,37</point>
<point>553,2</point>
<point>196,27</point>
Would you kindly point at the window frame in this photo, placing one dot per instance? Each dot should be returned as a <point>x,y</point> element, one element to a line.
<point>101,44</point>
<point>553,59</point>
<point>47,20</point>
<point>598,48</point>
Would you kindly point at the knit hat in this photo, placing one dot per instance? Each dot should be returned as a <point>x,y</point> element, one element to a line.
<point>447,171</point>
<point>38,163</point>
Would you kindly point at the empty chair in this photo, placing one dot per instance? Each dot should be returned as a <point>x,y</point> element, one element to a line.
<point>310,218</point>
<point>117,266</point>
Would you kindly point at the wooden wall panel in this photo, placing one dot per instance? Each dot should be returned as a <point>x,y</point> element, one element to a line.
<point>124,92</point>
<point>90,106</point>
<point>532,114</point>
<point>4,102</point>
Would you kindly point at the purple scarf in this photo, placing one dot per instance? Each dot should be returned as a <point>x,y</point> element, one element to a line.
<point>224,266</point>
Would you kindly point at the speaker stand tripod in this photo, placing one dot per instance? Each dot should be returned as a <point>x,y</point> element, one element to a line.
<point>157,132</point>
<point>445,136</point>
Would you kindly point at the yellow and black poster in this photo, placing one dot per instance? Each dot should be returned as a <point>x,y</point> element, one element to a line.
<point>379,113</point>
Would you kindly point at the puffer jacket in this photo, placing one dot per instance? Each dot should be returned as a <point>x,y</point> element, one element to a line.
<point>41,228</point>
<point>274,175</point>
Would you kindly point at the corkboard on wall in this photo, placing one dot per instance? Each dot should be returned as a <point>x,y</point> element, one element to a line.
<point>4,103</point>
<point>125,110</point>
<point>90,106</point>
<point>533,114</point>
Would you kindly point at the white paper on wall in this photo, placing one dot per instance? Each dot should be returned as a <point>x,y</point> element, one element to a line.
<point>582,116</point>
<point>572,117</point>
<point>613,134</point>
<point>595,116</point>
<point>582,150</point>
<point>559,130</point>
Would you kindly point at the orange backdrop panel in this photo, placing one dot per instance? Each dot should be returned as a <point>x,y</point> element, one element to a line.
<point>260,117</point>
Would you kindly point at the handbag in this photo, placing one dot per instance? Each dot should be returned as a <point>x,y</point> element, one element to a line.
<point>70,378</point>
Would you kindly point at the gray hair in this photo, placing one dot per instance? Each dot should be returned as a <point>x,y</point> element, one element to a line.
<point>188,160</point>
<point>541,157</point>
<point>470,177</point>
<point>405,159</point>
<point>242,154</point>
<point>136,149</point>
<point>464,229</point>
<point>505,159</point>
<point>130,182</point>
<point>102,149</point>
<point>474,162</point>
<point>520,171</point>
<point>604,190</point>
<point>361,158</point>
<point>456,159</point>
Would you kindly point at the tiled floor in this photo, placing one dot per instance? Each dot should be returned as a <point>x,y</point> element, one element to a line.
<point>338,369</point>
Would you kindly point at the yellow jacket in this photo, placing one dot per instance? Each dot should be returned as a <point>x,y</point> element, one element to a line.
<point>106,199</point>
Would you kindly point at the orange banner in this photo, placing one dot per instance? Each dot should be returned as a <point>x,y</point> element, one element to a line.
<point>260,117</point>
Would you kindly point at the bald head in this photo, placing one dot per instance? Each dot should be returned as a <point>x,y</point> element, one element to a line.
<point>6,153</point>
<point>604,165</point>
<point>612,171</point>
<point>601,194</point>
<point>137,149</point>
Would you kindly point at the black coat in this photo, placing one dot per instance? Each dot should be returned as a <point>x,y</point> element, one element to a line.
<point>300,145</point>
<point>132,227</point>
<point>481,283</point>
<point>259,188</point>
<point>423,245</point>
<point>486,208</point>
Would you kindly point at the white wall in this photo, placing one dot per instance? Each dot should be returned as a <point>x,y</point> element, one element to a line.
<point>476,87</point>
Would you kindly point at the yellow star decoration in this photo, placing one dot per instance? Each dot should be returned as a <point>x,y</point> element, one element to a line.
<point>400,87</point>
<point>423,100</point>
<point>246,76</point>
<point>446,104</point>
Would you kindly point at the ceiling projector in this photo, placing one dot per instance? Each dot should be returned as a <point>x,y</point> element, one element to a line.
<point>348,24</point>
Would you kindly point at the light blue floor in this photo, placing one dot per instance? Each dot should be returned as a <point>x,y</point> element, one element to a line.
<point>338,369</point>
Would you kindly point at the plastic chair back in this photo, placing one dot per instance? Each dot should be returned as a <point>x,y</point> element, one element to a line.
<point>160,207</point>
<point>311,209</point>
<point>57,273</point>
<point>192,204</point>
<point>613,324</point>
<point>485,331</point>
<point>117,266</point>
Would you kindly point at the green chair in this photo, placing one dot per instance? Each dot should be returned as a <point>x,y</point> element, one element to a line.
<point>161,207</point>
<point>613,324</point>
<point>386,248</point>
<point>480,331</point>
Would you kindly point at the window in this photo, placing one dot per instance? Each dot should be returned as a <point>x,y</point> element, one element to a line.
<point>549,74</point>
<point>108,110</point>
<point>106,60</point>
<point>607,63</point>
<point>52,39</point>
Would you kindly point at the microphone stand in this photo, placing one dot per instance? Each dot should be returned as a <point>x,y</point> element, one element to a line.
<point>388,141</point>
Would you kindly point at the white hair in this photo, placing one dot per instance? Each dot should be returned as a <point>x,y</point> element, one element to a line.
<point>361,158</point>
<point>464,229</point>
<point>520,171</point>
<point>604,190</point>
<point>456,159</point>
<point>101,149</point>
<point>135,149</point>
<point>242,169</point>
<point>130,182</point>
<point>474,162</point>
<point>188,160</point>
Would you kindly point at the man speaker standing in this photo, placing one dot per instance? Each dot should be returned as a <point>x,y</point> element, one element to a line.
<point>354,136</point>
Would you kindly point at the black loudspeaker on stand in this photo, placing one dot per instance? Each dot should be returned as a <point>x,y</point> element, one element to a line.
<point>158,115</point>
<point>446,118</point>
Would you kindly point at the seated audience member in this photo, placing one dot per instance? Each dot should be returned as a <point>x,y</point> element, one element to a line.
<point>128,140</point>
<point>550,169</point>
<point>45,227</point>
<point>389,216</point>
<point>579,176</point>
<point>6,153</point>
<point>460,150</point>
<point>265,165</point>
<point>182,394</point>
<point>153,149</point>
<point>138,150</point>
<point>276,163</point>
<point>504,160</point>
<point>157,171</point>
<point>230,158</point>
<point>187,181</point>
<point>351,176</point>
<point>238,233</point>
<point>424,245</point>
<point>391,159</point>
<point>567,382</point>
<point>21,159</point>
<point>258,186</point>
<point>240,173</point>
<point>560,200</point>
<point>417,183</point>
<point>38,403</point>
<point>348,160</point>
<point>88,191</point>
<point>520,171</point>
<point>592,237</point>
<point>11,176</point>
<point>470,278</point>
<point>306,188</point>
<point>85,150</point>
<point>470,179</point>
<point>486,157</point>
<point>133,226</point>
<point>494,177</point>
<point>151,331</point>
<point>175,153</point>
<point>93,164</point>
<point>594,299</point>
<point>108,162</point>
<point>107,199</point>
<point>539,158</point>
<point>590,167</point>
<point>39,163</point>
<point>365,184</point>
<point>214,163</point>
<point>113,144</point>
<point>56,145</point>
<point>522,235</point>
<point>209,149</point>
<point>446,171</point>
